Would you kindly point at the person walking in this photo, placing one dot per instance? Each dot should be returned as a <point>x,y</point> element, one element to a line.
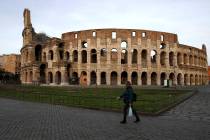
<point>128,99</point>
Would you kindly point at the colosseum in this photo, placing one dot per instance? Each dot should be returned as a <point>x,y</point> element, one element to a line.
<point>110,57</point>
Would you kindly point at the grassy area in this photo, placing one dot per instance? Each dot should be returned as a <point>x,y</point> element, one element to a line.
<point>148,100</point>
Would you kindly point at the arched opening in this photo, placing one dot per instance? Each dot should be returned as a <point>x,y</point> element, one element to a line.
<point>134,78</point>
<point>58,77</point>
<point>38,53</point>
<point>103,78</point>
<point>75,56</point>
<point>93,56</point>
<point>172,78</point>
<point>144,78</point>
<point>185,59</point>
<point>171,58</point>
<point>103,54</point>
<point>50,55</point>
<point>124,77</point>
<point>26,56</point>
<point>162,46</point>
<point>124,45</point>
<point>84,56</point>
<point>134,56</point>
<point>26,74</point>
<point>75,78</point>
<point>61,51</point>
<point>196,79</point>
<point>153,55</point>
<point>84,44</point>
<point>30,76</point>
<point>191,79</point>
<point>93,78</point>
<point>124,57</point>
<point>67,55</point>
<point>162,78</point>
<point>185,79</point>
<point>144,58</point>
<point>114,55</point>
<point>50,77</point>
<point>179,79</point>
<point>114,78</point>
<point>42,73</point>
<point>179,59</point>
<point>163,58</point>
<point>195,60</point>
<point>191,60</point>
<point>154,78</point>
<point>83,78</point>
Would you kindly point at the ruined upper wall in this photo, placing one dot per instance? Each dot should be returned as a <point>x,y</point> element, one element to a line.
<point>120,33</point>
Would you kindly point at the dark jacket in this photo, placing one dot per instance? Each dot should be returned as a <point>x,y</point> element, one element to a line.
<point>127,95</point>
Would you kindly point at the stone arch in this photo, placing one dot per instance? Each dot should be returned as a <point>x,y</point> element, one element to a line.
<point>153,54</point>
<point>171,58</point>
<point>58,77</point>
<point>30,76</point>
<point>84,44</point>
<point>26,75</point>
<point>75,78</point>
<point>50,77</point>
<point>179,79</point>
<point>134,56</point>
<point>154,78</point>
<point>83,78</point>
<point>172,78</point>
<point>144,58</point>
<point>103,55</point>
<point>42,73</point>
<point>114,56</point>
<point>162,78</point>
<point>185,59</point>
<point>75,56</point>
<point>38,53</point>
<point>93,56</point>
<point>60,51</point>
<point>179,58</point>
<point>191,79</point>
<point>196,79</point>
<point>124,77</point>
<point>144,78</point>
<point>103,78</point>
<point>84,56</point>
<point>113,78</point>
<point>191,60</point>
<point>93,78</point>
<point>186,79</point>
<point>124,44</point>
<point>50,55</point>
<point>163,58</point>
<point>124,56</point>
<point>134,78</point>
<point>67,55</point>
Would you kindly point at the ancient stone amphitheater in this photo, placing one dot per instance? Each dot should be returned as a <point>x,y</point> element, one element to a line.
<point>110,57</point>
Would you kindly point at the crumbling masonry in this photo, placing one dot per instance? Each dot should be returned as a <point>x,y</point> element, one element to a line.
<point>110,57</point>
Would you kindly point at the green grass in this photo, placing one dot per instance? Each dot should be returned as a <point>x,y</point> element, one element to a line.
<point>148,100</point>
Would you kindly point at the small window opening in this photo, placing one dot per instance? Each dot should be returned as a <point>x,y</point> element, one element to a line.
<point>114,35</point>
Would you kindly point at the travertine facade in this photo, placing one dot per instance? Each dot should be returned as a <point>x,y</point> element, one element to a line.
<point>10,63</point>
<point>110,57</point>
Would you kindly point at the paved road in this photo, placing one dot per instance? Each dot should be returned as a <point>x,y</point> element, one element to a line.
<point>35,121</point>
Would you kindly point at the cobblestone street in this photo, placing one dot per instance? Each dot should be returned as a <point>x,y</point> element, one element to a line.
<point>35,121</point>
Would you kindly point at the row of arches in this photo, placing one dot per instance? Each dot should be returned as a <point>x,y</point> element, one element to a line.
<point>115,78</point>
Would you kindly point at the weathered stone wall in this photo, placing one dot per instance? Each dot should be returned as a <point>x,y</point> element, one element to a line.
<point>111,57</point>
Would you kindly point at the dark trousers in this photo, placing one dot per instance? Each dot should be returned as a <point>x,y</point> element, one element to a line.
<point>125,111</point>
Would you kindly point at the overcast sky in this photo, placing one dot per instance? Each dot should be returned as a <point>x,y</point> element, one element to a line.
<point>189,19</point>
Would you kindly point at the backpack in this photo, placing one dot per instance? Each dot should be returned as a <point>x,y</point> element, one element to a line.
<point>134,97</point>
